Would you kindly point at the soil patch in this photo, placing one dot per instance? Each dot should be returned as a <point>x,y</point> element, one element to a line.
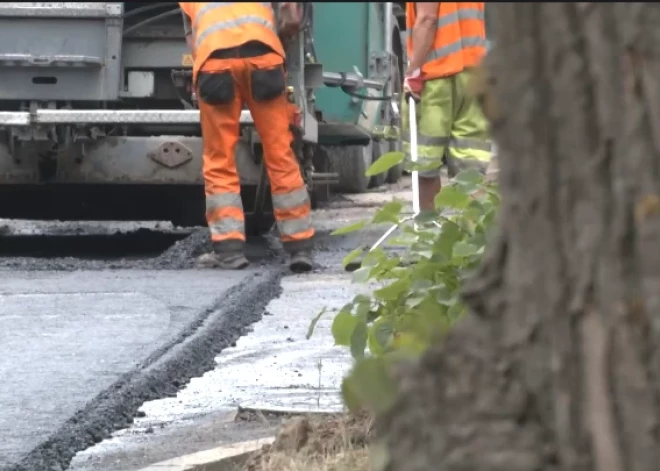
<point>317,443</point>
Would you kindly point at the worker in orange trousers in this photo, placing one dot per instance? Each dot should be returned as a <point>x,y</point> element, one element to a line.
<point>238,58</point>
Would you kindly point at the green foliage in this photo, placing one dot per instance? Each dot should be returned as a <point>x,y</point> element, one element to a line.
<point>416,292</point>
<point>384,163</point>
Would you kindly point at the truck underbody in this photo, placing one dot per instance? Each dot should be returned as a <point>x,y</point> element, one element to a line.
<point>97,119</point>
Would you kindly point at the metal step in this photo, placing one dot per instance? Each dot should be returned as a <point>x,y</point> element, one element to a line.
<point>84,117</point>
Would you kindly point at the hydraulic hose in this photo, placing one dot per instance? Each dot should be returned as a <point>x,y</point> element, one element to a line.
<point>144,9</point>
<point>151,20</point>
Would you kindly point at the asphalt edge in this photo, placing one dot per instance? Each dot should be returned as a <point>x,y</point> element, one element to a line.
<point>161,375</point>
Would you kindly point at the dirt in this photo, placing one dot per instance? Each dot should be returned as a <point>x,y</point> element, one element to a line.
<point>312,440</point>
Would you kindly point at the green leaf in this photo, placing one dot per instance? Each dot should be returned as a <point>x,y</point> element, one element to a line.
<point>350,396</point>
<point>455,311</point>
<point>462,249</point>
<point>361,275</point>
<point>359,340</point>
<point>351,257</point>
<point>380,336</point>
<point>451,197</point>
<point>312,325</point>
<point>361,298</point>
<point>388,213</point>
<point>393,291</point>
<point>470,175</point>
<point>374,257</point>
<point>369,386</point>
<point>342,328</point>
<point>362,310</point>
<point>384,163</point>
<point>407,342</point>
<point>351,228</point>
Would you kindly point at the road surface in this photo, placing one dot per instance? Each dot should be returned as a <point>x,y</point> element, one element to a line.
<point>117,364</point>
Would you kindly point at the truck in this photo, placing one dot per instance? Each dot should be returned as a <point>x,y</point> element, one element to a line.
<point>98,119</point>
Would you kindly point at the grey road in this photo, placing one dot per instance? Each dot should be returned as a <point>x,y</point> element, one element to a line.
<point>94,349</point>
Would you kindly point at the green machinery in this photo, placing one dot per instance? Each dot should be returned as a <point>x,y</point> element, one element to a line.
<point>98,119</point>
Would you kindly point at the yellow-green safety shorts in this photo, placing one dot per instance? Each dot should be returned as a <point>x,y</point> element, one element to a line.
<point>451,128</point>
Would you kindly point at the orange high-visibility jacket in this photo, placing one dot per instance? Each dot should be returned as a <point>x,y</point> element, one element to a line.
<point>460,38</point>
<point>225,25</point>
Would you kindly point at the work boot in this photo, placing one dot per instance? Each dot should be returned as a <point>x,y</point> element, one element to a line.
<point>301,261</point>
<point>223,260</point>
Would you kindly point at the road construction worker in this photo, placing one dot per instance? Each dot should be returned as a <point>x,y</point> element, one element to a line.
<point>445,41</point>
<point>238,58</point>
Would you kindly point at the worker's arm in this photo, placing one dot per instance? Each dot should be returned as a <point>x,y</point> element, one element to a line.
<point>289,17</point>
<point>187,30</point>
<point>423,33</point>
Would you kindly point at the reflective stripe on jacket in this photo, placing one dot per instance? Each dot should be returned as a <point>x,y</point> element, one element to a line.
<point>460,38</point>
<point>224,25</point>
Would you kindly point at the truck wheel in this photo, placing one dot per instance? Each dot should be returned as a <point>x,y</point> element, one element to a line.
<point>351,163</point>
<point>394,173</point>
<point>320,194</point>
<point>379,148</point>
<point>398,40</point>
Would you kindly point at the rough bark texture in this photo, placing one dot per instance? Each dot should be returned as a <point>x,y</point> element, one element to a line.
<point>557,366</point>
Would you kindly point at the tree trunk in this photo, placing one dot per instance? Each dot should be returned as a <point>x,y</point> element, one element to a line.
<point>558,365</point>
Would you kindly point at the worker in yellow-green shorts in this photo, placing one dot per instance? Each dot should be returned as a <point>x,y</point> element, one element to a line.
<point>446,40</point>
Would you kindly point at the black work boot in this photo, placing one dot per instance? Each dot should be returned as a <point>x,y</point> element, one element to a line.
<point>301,261</point>
<point>223,260</point>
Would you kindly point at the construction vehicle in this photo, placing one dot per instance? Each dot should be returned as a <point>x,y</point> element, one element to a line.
<point>98,119</point>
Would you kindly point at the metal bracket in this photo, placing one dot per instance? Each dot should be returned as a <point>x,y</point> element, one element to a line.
<point>313,74</point>
<point>378,64</point>
<point>171,154</point>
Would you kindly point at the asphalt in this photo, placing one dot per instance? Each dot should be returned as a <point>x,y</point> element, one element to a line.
<point>89,346</point>
<point>273,370</point>
<point>83,344</point>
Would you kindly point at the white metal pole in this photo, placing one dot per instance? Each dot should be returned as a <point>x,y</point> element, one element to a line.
<point>415,175</point>
<point>414,154</point>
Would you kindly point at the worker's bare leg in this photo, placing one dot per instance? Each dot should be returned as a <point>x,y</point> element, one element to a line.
<point>428,188</point>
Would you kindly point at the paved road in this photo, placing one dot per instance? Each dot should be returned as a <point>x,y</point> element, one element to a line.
<point>64,337</point>
<point>81,351</point>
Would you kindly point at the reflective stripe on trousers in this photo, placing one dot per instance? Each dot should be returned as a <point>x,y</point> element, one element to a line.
<point>224,213</point>
<point>431,151</point>
<point>457,142</point>
<point>292,211</point>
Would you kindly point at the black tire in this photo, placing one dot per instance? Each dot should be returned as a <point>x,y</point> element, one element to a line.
<point>320,194</point>
<point>395,173</point>
<point>351,163</point>
<point>378,148</point>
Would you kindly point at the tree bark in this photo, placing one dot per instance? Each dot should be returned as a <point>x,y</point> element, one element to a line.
<point>557,367</point>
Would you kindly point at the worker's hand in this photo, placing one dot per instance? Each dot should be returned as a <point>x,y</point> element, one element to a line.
<point>289,19</point>
<point>413,84</point>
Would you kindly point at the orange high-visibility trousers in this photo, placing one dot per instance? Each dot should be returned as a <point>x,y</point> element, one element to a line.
<point>220,131</point>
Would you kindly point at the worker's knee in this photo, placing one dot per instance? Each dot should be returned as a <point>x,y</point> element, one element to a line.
<point>455,165</point>
<point>216,88</point>
<point>429,177</point>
